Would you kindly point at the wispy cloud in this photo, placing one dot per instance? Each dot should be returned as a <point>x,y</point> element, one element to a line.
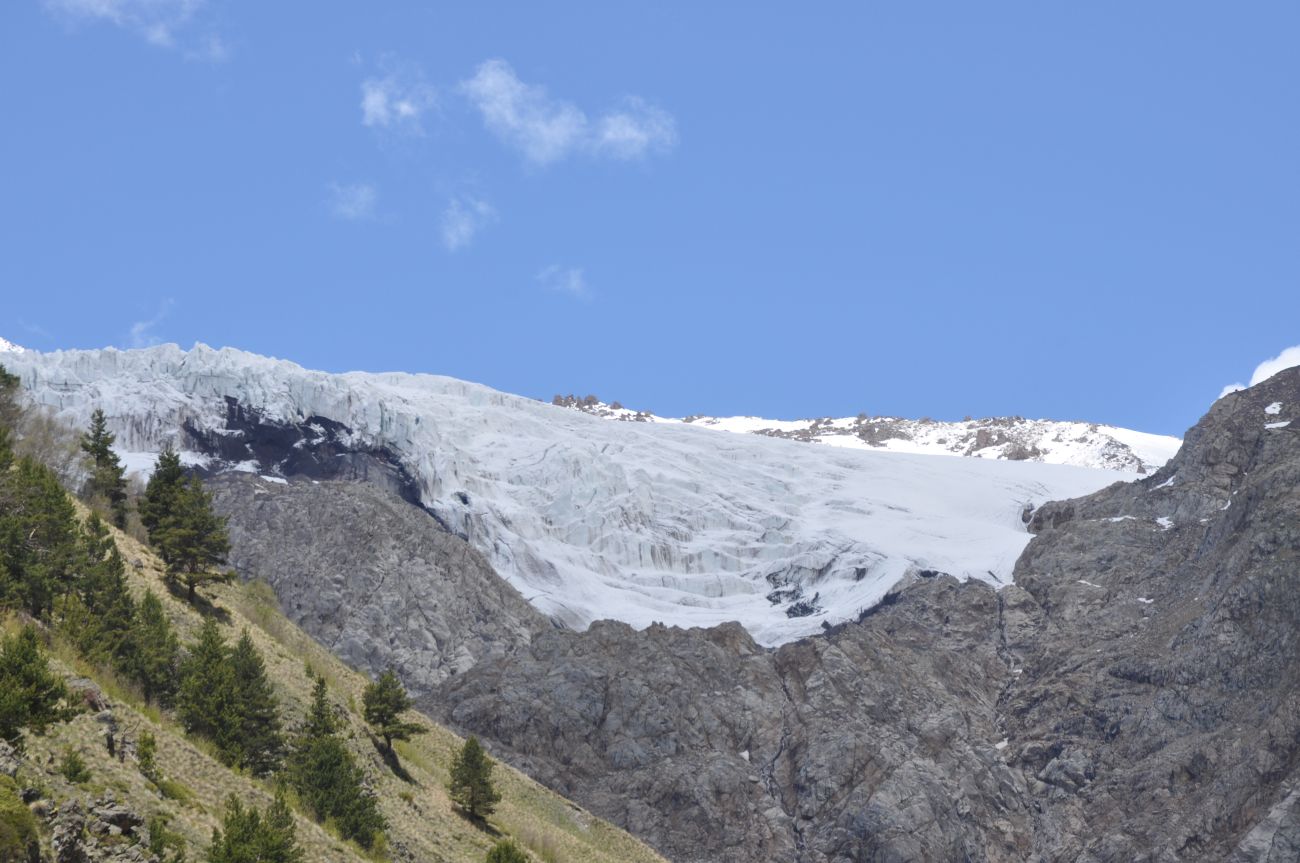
<point>545,129</point>
<point>34,329</point>
<point>463,218</point>
<point>396,100</point>
<point>354,202</point>
<point>141,334</point>
<point>1288,358</point>
<point>565,280</point>
<point>166,23</point>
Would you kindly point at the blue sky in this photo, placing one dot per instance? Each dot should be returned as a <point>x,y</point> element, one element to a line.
<point>1068,210</point>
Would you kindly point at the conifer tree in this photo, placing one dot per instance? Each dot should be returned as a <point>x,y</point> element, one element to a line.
<point>257,743</point>
<point>385,700</point>
<point>160,494</point>
<point>327,778</point>
<point>10,407</point>
<point>320,721</point>
<point>471,785</point>
<point>107,476</point>
<point>102,618</point>
<point>191,538</point>
<point>280,843</point>
<point>155,651</point>
<point>203,701</point>
<point>248,837</point>
<point>38,539</point>
<point>30,694</point>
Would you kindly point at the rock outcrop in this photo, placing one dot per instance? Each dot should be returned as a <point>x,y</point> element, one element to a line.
<point>1134,696</point>
<point>373,578</point>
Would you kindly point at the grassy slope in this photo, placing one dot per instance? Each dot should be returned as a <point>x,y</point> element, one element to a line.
<point>422,823</point>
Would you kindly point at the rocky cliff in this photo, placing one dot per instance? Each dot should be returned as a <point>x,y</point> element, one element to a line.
<point>373,578</point>
<point>1134,696</point>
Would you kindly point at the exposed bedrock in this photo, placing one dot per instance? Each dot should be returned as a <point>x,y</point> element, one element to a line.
<point>1135,696</point>
<point>372,577</point>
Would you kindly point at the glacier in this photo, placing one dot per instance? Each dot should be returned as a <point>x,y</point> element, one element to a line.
<point>1004,438</point>
<point>590,519</point>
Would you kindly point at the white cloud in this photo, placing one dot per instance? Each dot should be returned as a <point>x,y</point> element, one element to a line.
<point>395,101</point>
<point>522,114</point>
<point>354,202</point>
<point>1288,358</point>
<point>565,280</point>
<point>462,219</point>
<point>141,333</point>
<point>637,129</point>
<point>166,23</point>
<point>546,130</point>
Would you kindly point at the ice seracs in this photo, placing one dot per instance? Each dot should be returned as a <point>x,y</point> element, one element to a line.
<point>591,519</point>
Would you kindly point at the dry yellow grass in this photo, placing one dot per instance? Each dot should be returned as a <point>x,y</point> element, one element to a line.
<point>423,825</point>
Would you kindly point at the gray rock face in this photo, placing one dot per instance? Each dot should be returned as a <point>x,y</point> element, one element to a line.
<point>372,577</point>
<point>878,742</point>
<point>1135,696</point>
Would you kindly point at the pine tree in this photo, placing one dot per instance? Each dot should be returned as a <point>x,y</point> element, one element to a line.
<point>156,651</point>
<point>320,720</point>
<point>10,407</point>
<point>384,701</point>
<point>38,539</point>
<point>256,742</point>
<point>160,494</point>
<point>279,842</point>
<point>249,837</point>
<point>204,700</point>
<point>30,694</point>
<point>102,619</point>
<point>327,778</point>
<point>107,476</point>
<point>191,538</point>
<point>471,785</point>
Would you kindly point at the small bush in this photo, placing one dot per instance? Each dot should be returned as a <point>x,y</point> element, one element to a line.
<point>146,754</point>
<point>73,767</point>
<point>19,837</point>
<point>173,790</point>
<point>163,840</point>
<point>506,851</point>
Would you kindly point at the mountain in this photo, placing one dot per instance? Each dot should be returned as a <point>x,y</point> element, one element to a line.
<point>1122,686</point>
<point>587,519</point>
<point>112,811</point>
<point>1010,438</point>
<point>1133,696</point>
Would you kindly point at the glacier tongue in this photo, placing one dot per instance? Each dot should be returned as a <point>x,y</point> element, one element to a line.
<point>591,519</point>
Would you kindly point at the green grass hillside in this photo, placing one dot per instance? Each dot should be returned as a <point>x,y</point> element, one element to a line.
<point>422,823</point>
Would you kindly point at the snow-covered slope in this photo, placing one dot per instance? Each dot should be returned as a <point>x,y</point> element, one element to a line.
<point>592,519</point>
<point>1007,438</point>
